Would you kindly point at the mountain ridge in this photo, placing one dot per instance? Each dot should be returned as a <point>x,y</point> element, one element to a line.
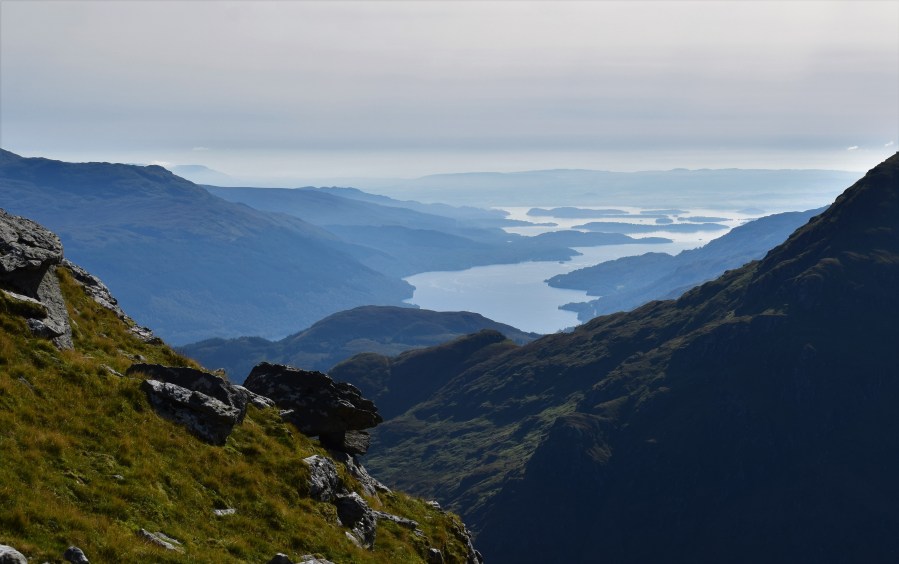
<point>714,425</point>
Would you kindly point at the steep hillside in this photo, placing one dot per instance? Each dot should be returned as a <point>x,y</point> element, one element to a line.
<point>385,330</point>
<point>753,419</point>
<point>91,458</point>
<point>629,282</point>
<point>185,262</point>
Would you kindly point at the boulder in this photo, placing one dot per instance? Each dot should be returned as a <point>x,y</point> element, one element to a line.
<point>161,540</point>
<point>280,558</point>
<point>75,555</point>
<point>9,555</point>
<point>355,514</point>
<point>260,402</point>
<point>401,521</point>
<point>196,381</point>
<point>29,254</point>
<point>324,483</point>
<point>319,407</point>
<point>435,556</point>
<point>208,418</point>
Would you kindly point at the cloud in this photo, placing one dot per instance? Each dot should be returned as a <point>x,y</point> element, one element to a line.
<point>199,149</point>
<point>890,144</point>
<point>852,148</point>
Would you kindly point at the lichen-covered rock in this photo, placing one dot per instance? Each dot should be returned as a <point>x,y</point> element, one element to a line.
<point>29,254</point>
<point>208,418</point>
<point>196,381</point>
<point>317,406</point>
<point>260,402</point>
<point>324,483</point>
<point>9,555</point>
<point>355,514</point>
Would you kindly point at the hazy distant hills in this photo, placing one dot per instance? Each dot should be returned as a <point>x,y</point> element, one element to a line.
<point>753,419</point>
<point>404,238</point>
<point>775,190</point>
<point>187,263</point>
<point>629,282</point>
<point>377,329</point>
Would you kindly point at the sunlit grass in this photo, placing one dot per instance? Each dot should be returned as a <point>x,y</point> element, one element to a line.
<point>85,461</point>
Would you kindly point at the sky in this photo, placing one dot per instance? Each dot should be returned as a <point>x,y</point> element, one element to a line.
<point>314,90</point>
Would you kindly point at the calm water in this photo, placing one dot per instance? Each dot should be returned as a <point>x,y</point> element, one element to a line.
<point>516,293</point>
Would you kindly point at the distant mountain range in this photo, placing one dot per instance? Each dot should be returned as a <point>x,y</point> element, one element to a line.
<point>188,263</point>
<point>629,282</point>
<point>753,419</point>
<point>376,329</point>
<point>405,238</point>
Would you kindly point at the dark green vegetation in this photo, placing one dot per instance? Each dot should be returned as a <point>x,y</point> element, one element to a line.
<point>629,282</point>
<point>86,461</point>
<point>752,420</point>
<point>186,263</point>
<point>377,329</point>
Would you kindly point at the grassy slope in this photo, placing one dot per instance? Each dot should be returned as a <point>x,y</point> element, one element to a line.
<point>86,461</point>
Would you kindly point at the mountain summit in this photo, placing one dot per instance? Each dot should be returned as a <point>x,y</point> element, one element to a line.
<point>753,419</point>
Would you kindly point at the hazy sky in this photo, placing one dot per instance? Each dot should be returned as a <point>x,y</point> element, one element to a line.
<point>403,88</point>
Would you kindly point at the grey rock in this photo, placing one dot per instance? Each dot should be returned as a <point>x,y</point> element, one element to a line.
<point>434,556</point>
<point>324,483</point>
<point>75,555</point>
<point>208,418</point>
<point>29,254</point>
<point>310,559</point>
<point>355,514</point>
<point>260,402</point>
<point>280,558</point>
<point>401,521</point>
<point>370,485</point>
<point>161,540</point>
<point>224,512</point>
<point>316,405</point>
<point>196,381</point>
<point>434,504</point>
<point>9,555</point>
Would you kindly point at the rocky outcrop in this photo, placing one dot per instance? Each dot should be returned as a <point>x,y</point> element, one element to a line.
<point>206,404</point>
<point>370,485</point>
<point>97,290</point>
<point>355,514</point>
<point>324,483</point>
<point>196,381</point>
<point>335,412</point>
<point>9,555</point>
<point>209,419</point>
<point>29,255</point>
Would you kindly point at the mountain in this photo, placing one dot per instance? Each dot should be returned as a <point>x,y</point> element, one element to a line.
<point>117,449</point>
<point>628,282</point>
<point>752,419</point>
<point>386,330</point>
<point>186,262</point>
<point>400,241</point>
